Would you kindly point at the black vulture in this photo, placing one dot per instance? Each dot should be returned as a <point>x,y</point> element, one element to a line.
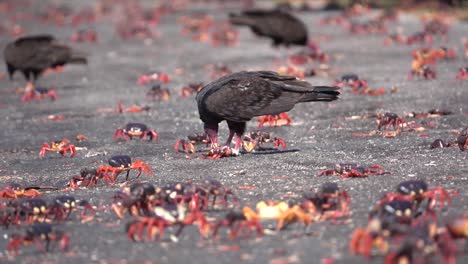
<point>280,26</point>
<point>32,55</point>
<point>239,97</point>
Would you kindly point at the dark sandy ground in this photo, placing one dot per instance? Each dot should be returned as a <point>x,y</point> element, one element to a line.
<point>319,134</point>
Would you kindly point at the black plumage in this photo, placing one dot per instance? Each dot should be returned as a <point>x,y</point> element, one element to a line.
<point>280,26</point>
<point>239,97</point>
<point>32,55</point>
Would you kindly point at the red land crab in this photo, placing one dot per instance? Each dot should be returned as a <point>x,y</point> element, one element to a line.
<point>447,237</point>
<point>224,34</point>
<point>444,53</point>
<point>166,216</point>
<point>357,9</point>
<point>153,77</point>
<point>369,91</point>
<point>30,210</point>
<point>190,89</point>
<point>330,202</point>
<point>335,20</point>
<point>280,211</point>
<point>423,71</point>
<point>292,70</point>
<point>187,145</point>
<point>158,93</point>
<point>462,139</point>
<point>419,37</point>
<point>181,193</point>
<point>417,244</point>
<point>211,187</point>
<point>352,170</point>
<point>395,38</point>
<point>423,56</point>
<point>15,190</point>
<point>439,143</point>
<point>350,79</point>
<point>137,199</point>
<point>282,119</point>
<point>237,222</point>
<point>388,120</point>
<point>390,220</point>
<point>37,233</point>
<point>154,225</point>
<point>436,27</point>
<point>131,109</point>
<point>368,27</point>
<point>399,243</point>
<point>128,29</point>
<point>194,25</point>
<point>38,94</point>
<point>311,53</point>
<point>38,210</point>
<point>88,177</point>
<point>120,163</point>
<point>462,73</point>
<point>61,147</point>
<point>256,139</point>
<point>84,36</point>
<point>430,56</point>
<point>357,85</point>
<point>417,191</point>
<point>135,130</point>
<point>219,152</point>
<point>63,206</point>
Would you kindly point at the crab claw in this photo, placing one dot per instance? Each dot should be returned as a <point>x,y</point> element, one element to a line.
<point>43,150</point>
<point>151,134</point>
<point>72,150</point>
<point>142,167</point>
<point>442,195</point>
<point>279,143</point>
<point>119,134</point>
<point>187,146</point>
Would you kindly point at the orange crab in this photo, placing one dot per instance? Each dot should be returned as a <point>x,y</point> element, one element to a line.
<point>61,147</point>
<point>15,190</point>
<point>120,163</point>
<point>279,211</point>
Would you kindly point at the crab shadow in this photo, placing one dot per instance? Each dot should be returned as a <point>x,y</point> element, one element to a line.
<point>269,151</point>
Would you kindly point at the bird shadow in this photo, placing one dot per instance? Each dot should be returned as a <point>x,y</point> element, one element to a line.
<point>268,151</point>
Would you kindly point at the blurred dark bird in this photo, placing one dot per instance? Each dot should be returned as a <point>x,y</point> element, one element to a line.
<point>239,97</point>
<point>280,26</point>
<point>32,55</point>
